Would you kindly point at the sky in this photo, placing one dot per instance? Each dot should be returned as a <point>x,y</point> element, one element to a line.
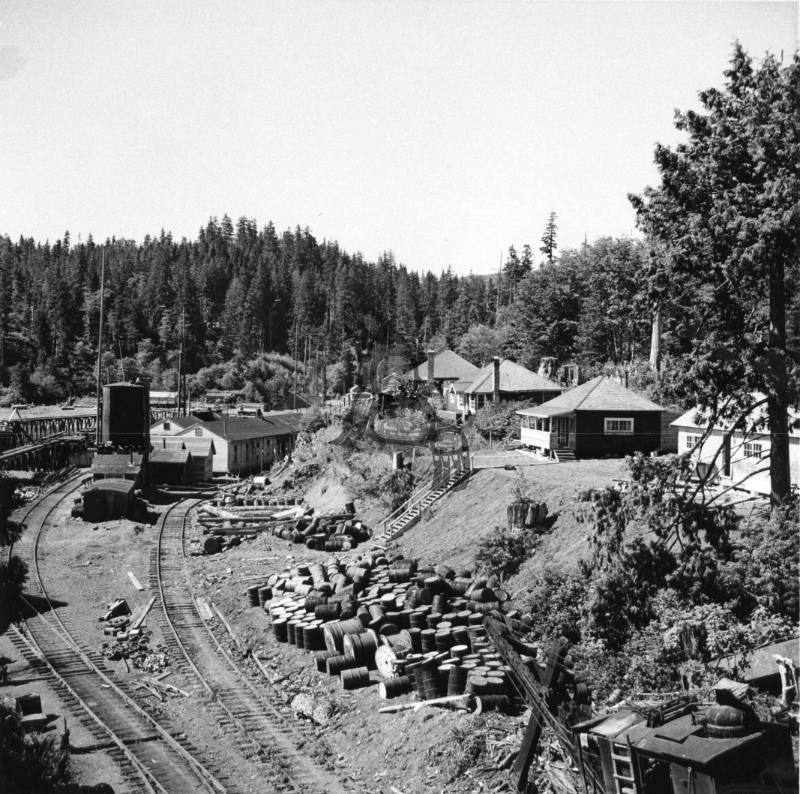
<point>442,131</point>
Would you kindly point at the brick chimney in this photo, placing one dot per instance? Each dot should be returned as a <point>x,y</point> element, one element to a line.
<point>496,380</point>
<point>431,355</point>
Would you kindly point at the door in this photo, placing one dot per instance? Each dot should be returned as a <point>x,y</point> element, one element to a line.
<point>562,431</point>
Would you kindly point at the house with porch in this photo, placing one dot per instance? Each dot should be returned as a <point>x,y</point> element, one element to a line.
<point>739,458</point>
<point>599,418</point>
<point>503,380</point>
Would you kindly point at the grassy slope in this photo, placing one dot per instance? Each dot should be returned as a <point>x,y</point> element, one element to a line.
<point>462,518</point>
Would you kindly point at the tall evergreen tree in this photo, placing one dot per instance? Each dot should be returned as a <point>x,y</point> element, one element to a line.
<point>727,212</point>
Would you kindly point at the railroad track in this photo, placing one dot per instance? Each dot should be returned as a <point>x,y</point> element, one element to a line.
<point>237,702</point>
<point>152,757</point>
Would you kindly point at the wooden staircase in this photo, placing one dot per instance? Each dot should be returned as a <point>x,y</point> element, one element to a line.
<point>562,455</point>
<point>411,511</point>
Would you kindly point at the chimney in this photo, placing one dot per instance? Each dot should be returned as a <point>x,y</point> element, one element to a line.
<point>431,355</point>
<point>496,380</point>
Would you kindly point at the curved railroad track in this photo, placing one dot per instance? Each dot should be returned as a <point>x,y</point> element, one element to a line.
<point>234,699</point>
<point>151,757</point>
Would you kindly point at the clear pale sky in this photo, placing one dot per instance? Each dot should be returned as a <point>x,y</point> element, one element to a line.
<point>444,131</point>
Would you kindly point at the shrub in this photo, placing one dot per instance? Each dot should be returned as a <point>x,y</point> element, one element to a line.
<point>503,552</point>
<point>555,605</point>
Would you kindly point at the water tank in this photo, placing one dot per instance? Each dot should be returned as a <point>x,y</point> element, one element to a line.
<point>125,414</point>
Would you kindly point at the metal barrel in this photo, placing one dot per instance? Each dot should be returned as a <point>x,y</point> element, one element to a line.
<point>355,678</point>
<point>394,687</point>
<point>456,680</point>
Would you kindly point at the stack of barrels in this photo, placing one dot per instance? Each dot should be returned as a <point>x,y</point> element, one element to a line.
<point>418,629</point>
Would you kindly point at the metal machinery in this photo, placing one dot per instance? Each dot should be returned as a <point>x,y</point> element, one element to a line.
<point>679,749</point>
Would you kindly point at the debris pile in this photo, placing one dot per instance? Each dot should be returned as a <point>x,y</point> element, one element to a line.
<point>131,642</point>
<point>225,527</point>
<point>408,629</point>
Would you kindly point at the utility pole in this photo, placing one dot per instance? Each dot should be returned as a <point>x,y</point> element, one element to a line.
<point>99,429</point>
<point>294,387</point>
<point>180,362</point>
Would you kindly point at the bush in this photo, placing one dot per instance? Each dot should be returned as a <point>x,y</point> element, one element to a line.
<point>503,552</point>
<point>555,605</point>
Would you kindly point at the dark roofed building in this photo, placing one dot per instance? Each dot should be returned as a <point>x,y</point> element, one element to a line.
<point>598,418</point>
<point>202,449</point>
<point>108,500</point>
<point>515,381</point>
<point>171,466</point>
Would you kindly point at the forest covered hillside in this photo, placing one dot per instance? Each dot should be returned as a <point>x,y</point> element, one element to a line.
<point>237,291</point>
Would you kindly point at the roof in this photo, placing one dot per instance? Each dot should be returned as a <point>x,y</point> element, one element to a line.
<point>682,740</point>
<point>598,394</point>
<point>16,414</point>
<point>112,484</point>
<point>287,403</point>
<point>161,455</point>
<point>242,428</point>
<point>762,660</point>
<point>179,421</point>
<point>447,365</point>
<point>697,419</point>
<point>513,378</point>
<point>117,462</point>
<point>199,447</point>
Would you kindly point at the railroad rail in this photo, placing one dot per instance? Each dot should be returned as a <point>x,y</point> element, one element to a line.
<point>151,757</point>
<point>232,696</point>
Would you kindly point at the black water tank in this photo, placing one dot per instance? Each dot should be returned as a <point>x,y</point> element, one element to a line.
<point>124,414</point>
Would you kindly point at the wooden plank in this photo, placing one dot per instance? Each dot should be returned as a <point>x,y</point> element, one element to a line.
<point>203,608</point>
<point>135,581</point>
<point>140,618</point>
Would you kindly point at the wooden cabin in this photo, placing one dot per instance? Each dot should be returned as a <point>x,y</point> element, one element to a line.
<point>171,466</point>
<point>599,418</point>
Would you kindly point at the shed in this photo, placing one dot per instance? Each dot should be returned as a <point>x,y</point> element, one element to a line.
<point>171,466</point>
<point>113,465</point>
<point>596,419</point>
<point>202,449</point>
<point>108,500</point>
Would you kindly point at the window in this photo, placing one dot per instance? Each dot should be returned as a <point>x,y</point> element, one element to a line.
<point>198,431</point>
<point>166,425</point>
<point>691,442</point>
<point>618,426</point>
<point>753,450</point>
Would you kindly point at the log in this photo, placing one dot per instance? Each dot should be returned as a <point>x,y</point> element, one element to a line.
<point>417,706</point>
